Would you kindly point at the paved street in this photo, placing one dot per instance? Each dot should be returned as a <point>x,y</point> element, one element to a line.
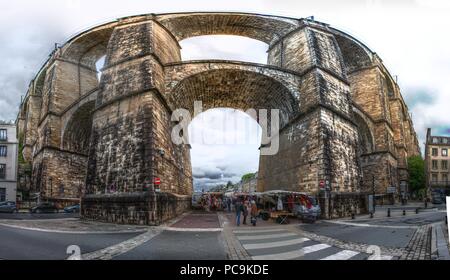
<point>210,235</point>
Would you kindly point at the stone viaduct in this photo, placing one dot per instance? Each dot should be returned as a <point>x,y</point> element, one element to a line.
<point>343,119</point>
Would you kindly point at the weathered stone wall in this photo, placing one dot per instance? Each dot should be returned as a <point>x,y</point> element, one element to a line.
<point>144,208</point>
<point>343,118</point>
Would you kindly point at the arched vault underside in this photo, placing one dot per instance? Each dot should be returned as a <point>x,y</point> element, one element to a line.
<point>342,116</point>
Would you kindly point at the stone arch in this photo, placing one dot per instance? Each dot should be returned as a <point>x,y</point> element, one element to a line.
<point>365,134</point>
<point>234,88</point>
<point>77,132</point>
<point>89,46</point>
<point>354,53</point>
<point>260,27</point>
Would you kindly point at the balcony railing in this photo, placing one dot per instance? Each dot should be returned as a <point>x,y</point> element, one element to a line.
<point>440,184</point>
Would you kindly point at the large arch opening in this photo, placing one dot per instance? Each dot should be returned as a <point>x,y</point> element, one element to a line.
<point>224,146</point>
<point>225,47</point>
<point>226,138</point>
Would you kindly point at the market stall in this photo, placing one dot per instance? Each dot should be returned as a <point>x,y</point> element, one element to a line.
<point>280,205</point>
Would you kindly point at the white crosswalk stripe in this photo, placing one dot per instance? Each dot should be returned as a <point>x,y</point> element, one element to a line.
<point>281,244</point>
<point>342,255</point>
<point>274,244</point>
<point>265,236</point>
<point>292,254</point>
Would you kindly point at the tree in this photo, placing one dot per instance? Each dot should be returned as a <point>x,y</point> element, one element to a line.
<point>416,170</point>
<point>247,177</point>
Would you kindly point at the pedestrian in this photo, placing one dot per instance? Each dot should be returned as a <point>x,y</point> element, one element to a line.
<point>229,204</point>
<point>253,213</point>
<point>245,211</point>
<point>238,209</point>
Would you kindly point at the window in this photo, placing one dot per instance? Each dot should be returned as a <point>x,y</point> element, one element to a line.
<point>3,135</point>
<point>435,140</point>
<point>434,152</point>
<point>444,177</point>
<point>444,152</point>
<point>3,151</point>
<point>2,194</point>
<point>444,164</point>
<point>444,140</point>
<point>434,164</point>
<point>2,171</point>
<point>434,177</point>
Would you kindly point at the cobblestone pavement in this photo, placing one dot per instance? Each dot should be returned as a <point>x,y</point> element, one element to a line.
<point>419,247</point>
<point>198,219</point>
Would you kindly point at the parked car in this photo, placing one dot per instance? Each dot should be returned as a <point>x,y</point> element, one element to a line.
<point>45,207</point>
<point>72,209</point>
<point>8,207</point>
<point>437,197</point>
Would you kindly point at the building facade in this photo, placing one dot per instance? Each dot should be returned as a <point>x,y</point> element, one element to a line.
<point>437,160</point>
<point>342,118</point>
<point>8,161</point>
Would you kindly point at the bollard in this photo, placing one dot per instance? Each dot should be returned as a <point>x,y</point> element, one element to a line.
<point>389,212</point>
<point>353,216</point>
<point>371,215</point>
<point>404,212</point>
<point>417,210</point>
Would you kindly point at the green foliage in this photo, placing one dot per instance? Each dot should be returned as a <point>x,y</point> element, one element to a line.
<point>416,170</point>
<point>247,177</point>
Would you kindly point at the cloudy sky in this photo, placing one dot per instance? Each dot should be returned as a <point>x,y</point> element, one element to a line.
<point>411,36</point>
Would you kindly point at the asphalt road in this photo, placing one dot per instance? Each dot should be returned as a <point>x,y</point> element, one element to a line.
<point>20,244</point>
<point>172,245</point>
<point>388,232</point>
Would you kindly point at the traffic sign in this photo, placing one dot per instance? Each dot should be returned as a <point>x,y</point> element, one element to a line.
<point>157,181</point>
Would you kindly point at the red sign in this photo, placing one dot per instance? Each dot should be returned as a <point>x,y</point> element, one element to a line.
<point>322,184</point>
<point>157,181</point>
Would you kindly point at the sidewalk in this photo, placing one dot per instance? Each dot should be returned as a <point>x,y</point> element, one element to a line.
<point>71,225</point>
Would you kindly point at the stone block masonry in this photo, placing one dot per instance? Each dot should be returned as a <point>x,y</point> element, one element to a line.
<point>342,117</point>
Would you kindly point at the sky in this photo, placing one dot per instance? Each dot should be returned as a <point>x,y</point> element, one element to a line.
<point>411,36</point>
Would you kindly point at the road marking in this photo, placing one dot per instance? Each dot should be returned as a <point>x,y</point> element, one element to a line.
<point>72,232</point>
<point>120,248</point>
<point>274,244</point>
<point>342,255</point>
<point>266,236</point>
<point>369,225</point>
<point>292,254</point>
<point>192,229</point>
<point>382,257</point>
<point>258,230</point>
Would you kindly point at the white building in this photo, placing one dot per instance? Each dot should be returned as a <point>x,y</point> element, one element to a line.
<point>8,161</point>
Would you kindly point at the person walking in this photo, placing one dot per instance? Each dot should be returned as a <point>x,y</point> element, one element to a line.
<point>245,211</point>
<point>238,209</point>
<point>253,213</point>
<point>229,204</point>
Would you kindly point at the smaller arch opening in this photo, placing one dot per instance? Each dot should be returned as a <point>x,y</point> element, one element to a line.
<point>99,64</point>
<point>77,133</point>
<point>224,47</point>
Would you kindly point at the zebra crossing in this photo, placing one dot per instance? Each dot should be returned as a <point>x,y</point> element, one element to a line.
<point>281,244</point>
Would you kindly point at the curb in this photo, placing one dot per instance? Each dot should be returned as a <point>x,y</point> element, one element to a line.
<point>72,232</point>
